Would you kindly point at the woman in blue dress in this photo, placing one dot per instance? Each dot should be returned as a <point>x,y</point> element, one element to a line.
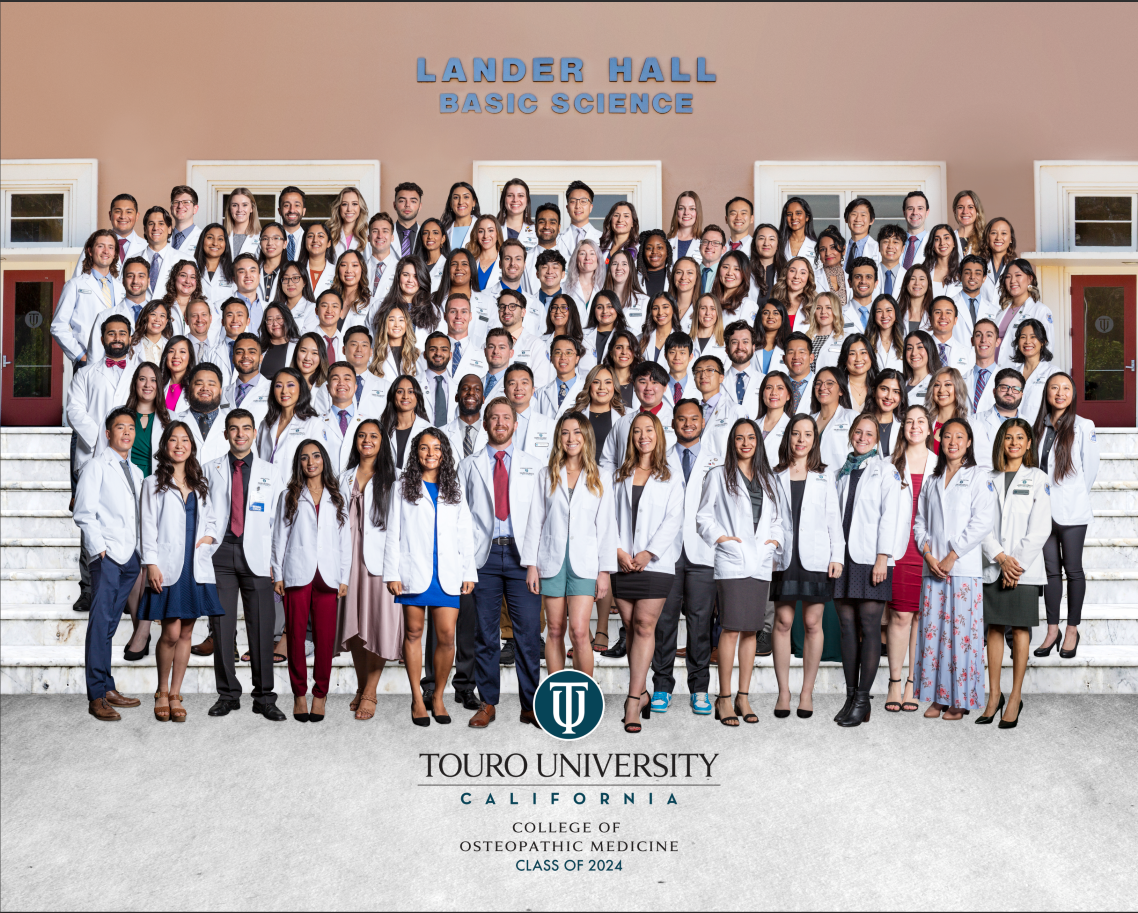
<point>179,536</point>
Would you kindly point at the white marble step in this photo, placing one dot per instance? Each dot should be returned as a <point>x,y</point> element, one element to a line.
<point>1118,440</point>
<point>1113,523</point>
<point>1117,466</point>
<point>58,670</point>
<point>25,500</point>
<point>41,524</point>
<point>32,466</point>
<point>34,440</point>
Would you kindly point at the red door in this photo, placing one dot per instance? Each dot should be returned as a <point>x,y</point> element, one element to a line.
<point>1104,327</point>
<point>32,388</point>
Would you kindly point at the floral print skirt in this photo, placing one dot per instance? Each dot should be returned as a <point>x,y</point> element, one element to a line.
<point>950,642</point>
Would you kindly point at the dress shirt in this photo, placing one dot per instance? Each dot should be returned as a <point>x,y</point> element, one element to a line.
<point>501,527</point>
<point>694,449</point>
<point>205,420</point>
<point>246,471</point>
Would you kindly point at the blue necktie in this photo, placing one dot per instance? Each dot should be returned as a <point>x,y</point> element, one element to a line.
<point>290,251</point>
<point>455,358</point>
<point>137,308</point>
<point>489,384</point>
<point>864,312</point>
<point>155,266</point>
<point>740,387</point>
<point>687,464</point>
<point>359,388</point>
<point>889,282</point>
<point>562,389</point>
<point>972,309</point>
<point>179,237</point>
<point>242,390</point>
<point>231,342</point>
<point>981,381</point>
<point>703,287</point>
<point>943,353</point>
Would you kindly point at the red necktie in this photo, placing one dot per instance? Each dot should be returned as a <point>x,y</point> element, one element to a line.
<point>111,363</point>
<point>237,500</point>
<point>679,391</point>
<point>331,349</point>
<point>501,486</point>
<point>122,250</point>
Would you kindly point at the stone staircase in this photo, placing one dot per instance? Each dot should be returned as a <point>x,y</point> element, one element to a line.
<point>41,638</point>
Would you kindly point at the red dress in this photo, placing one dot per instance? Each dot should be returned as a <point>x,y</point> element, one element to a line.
<point>907,572</point>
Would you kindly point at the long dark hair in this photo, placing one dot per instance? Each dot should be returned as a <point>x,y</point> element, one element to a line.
<point>164,471</point>
<point>297,483</point>
<point>782,332</point>
<point>144,318</point>
<point>224,263</point>
<point>898,457</point>
<point>164,376</point>
<point>931,351</point>
<point>873,331</point>
<point>306,292</point>
<point>1064,429</point>
<point>999,464</point>
<point>784,379</point>
<point>363,289</point>
<point>390,413</point>
<point>969,454</point>
<point>733,300</point>
<point>870,405</point>
<point>573,327</point>
<point>160,410</point>
<point>635,239</point>
<point>759,464</point>
<point>953,256</point>
<point>839,376</point>
<point>611,297</point>
<point>758,271</point>
<point>442,293</point>
<point>421,310</point>
<point>648,331</point>
<point>633,343</point>
<point>292,331</point>
<point>843,356</point>
<point>448,213</point>
<point>450,492</point>
<point>905,300</point>
<point>320,375</point>
<point>527,216</point>
<point>420,251</point>
<point>383,476</point>
<point>813,458</point>
<point>784,232</point>
<point>1040,334</point>
<point>303,408</point>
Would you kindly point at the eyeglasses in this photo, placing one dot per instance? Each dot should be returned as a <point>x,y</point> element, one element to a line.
<point>509,306</point>
<point>291,280</point>
<point>705,372</point>
<point>181,204</point>
<point>1009,388</point>
<point>707,242</point>
<point>825,384</point>
<point>557,309</point>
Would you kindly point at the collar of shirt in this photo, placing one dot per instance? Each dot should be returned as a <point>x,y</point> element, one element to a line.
<point>544,298</point>
<point>710,404</point>
<point>694,448</point>
<point>508,451</point>
<point>350,409</point>
<point>655,410</point>
<point>249,301</point>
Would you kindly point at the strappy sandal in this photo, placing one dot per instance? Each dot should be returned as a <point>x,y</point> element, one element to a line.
<point>893,706</point>
<point>748,717</point>
<point>910,706</point>
<point>161,714</point>
<point>645,712</point>
<point>368,712</point>
<point>177,714</point>
<point>725,720</point>
<point>355,704</point>
<point>600,649</point>
<point>245,657</point>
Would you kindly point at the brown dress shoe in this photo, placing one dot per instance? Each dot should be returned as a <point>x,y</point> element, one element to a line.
<point>527,716</point>
<point>205,648</point>
<point>121,700</point>
<point>101,710</point>
<point>484,717</point>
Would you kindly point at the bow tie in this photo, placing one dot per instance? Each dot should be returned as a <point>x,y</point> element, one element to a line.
<point>111,363</point>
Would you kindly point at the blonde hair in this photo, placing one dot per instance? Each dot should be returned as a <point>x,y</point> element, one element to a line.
<point>659,453</point>
<point>409,357</point>
<point>558,457</point>
<point>973,243</point>
<point>581,403</point>
<point>472,244</point>
<point>254,219</point>
<point>336,224</point>
<point>696,229</point>
<point>781,291</point>
<point>717,330</point>
<point>961,393</point>
<point>838,328</point>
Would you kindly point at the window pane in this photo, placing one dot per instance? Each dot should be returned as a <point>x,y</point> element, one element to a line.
<point>37,205</point>
<point>602,203</point>
<point>1110,209</point>
<point>825,207</point>
<point>1104,343</point>
<point>1101,234</point>
<point>37,231</point>
<point>318,208</point>
<point>32,361</point>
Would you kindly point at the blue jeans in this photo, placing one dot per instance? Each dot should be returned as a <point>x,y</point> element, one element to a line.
<point>111,584</point>
<point>503,575</point>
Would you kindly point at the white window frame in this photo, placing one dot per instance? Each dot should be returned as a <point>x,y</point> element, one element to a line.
<point>777,180</point>
<point>213,179</point>
<point>642,181</point>
<point>76,179</point>
<point>1058,182</point>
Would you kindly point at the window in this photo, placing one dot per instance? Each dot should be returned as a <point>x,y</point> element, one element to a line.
<point>636,182</point>
<point>48,203</point>
<point>1086,207</point>
<point>317,207</point>
<point>829,187</point>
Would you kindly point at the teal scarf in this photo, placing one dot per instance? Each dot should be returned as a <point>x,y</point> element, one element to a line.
<point>853,462</point>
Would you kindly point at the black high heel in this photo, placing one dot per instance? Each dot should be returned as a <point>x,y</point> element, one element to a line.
<point>132,657</point>
<point>645,712</point>
<point>892,706</point>
<point>860,711</point>
<point>747,717</point>
<point>1046,651</point>
<point>1012,724</point>
<point>984,720</point>
<point>732,721</point>
<point>1068,654</point>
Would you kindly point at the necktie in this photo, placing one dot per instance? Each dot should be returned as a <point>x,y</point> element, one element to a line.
<point>359,388</point>
<point>231,343</point>
<point>134,494</point>
<point>179,237</point>
<point>343,422</point>
<point>155,266</point>
<point>889,282</point>
<point>703,277</point>
<point>440,401</point>
<point>686,460</point>
<point>735,245</point>
<point>981,382</point>
<point>105,289</point>
<point>242,389</point>
<point>468,440</point>
<point>864,312</point>
<point>910,251</point>
<point>677,392</point>
<point>501,486</point>
<point>379,268</point>
<point>851,256</point>
<point>290,251</point>
<point>122,250</point>
<point>137,308</point>
<point>112,363</point>
<point>328,341</point>
<point>455,358</point>
<point>943,346</point>
<point>740,387</point>
<point>489,385</point>
<point>405,249</point>
<point>204,423</point>
<point>237,500</point>
<point>972,309</point>
<point>562,389</point>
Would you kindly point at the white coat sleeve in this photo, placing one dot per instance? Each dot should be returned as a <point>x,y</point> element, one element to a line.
<point>921,521</point>
<point>148,515</point>
<point>834,524</point>
<point>1027,549</point>
<point>707,527</point>
<point>606,528</point>
<point>346,551</point>
<point>280,539</point>
<point>391,544</point>
<point>61,330</point>
<point>535,523</point>
<point>983,516</point>
<point>887,520</point>
<point>783,531</point>
<point>86,512</point>
<point>1090,458</point>
<point>79,417</point>
<point>466,541</point>
<point>608,460</point>
<point>665,534</point>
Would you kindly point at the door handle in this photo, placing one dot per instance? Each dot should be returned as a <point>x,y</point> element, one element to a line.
<point>1129,367</point>
<point>5,363</point>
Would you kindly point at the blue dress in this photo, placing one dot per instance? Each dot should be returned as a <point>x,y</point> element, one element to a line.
<point>433,595</point>
<point>185,598</point>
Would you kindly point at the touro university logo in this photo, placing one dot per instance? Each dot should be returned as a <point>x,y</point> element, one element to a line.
<point>569,704</point>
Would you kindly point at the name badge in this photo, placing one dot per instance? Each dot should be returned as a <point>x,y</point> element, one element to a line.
<point>1021,491</point>
<point>257,507</point>
<point>634,312</point>
<point>262,481</point>
<point>483,318</point>
<point>963,483</point>
<point>836,348</point>
<point>377,393</point>
<point>526,471</point>
<point>721,422</point>
<point>523,353</point>
<point>86,291</point>
<point>477,363</point>
<point>262,398</point>
<point>297,431</point>
<point>848,324</point>
<point>541,443</point>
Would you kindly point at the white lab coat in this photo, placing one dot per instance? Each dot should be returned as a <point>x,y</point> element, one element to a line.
<point>1040,312</point>
<point>570,237</point>
<point>588,522</point>
<point>919,251</point>
<point>256,400</point>
<point>873,527</point>
<point>436,273</point>
<point>988,396</point>
<point>375,539</point>
<point>1022,527</point>
<point>722,514</point>
<point>894,432</point>
<point>538,436</point>
<point>887,356</point>
<point>455,431</point>
<point>80,303</point>
<point>413,533</point>
<point>475,472</point>
<point>917,392</point>
<point>718,425</point>
<point>545,343</point>
<point>828,355</point>
<point>1035,388</point>
<point>527,235</point>
<point>387,279</point>
<point>256,540</point>
<point>472,357</point>
<point>168,259</point>
<point>905,516</point>
<point>776,362</point>
<point>215,444</point>
<point>373,399</point>
<point>340,445</point>
<point>419,425</point>
<point>616,447</point>
<point>836,438</point>
<point>772,443</point>
<point>310,543</point>
<point>428,380</point>
<point>545,399</point>
<point>324,282</point>
<point>960,355</point>
<point>956,518</point>
<point>182,405</point>
<point>987,305</point>
<point>105,509</point>
<point>251,245</point>
<point>1071,497</point>
<point>280,451</point>
<point>659,520</point>
<point>820,536</point>
<point>135,245</point>
<point>164,533</point>
<point>94,391</point>
<point>693,250</point>
<point>695,549</point>
<point>528,351</point>
<point>189,242</point>
<point>216,291</point>
<point>806,251</point>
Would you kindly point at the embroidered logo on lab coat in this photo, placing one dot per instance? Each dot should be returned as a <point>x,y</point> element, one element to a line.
<point>525,471</point>
<point>896,475</point>
<point>1047,488</point>
<point>991,487</point>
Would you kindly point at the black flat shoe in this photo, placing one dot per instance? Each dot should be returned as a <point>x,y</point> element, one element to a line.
<point>419,720</point>
<point>441,718</point>
<point>985,720</point>
<point>1069,654</point>
<point>803,714</point>
<point>781,714</point>
<point>300,717</point>
<point>1012,724</point>
<point>270,712</point>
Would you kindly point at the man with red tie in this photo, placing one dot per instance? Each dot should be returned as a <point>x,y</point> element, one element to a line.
<point>123,216</point>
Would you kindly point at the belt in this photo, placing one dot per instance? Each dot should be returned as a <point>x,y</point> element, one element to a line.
<point>503,540</point>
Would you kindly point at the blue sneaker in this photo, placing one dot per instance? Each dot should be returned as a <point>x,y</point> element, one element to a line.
<point>660,701</point>
<point>701,703</point>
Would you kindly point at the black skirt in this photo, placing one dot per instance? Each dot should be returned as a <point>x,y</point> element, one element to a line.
<point>641,585</point>
<point>856,582</point>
